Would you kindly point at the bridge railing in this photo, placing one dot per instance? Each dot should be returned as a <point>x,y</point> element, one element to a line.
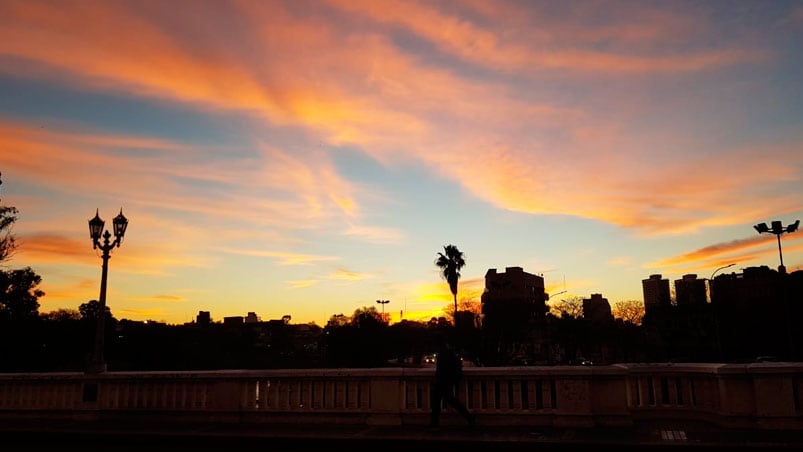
<point>767,395</point>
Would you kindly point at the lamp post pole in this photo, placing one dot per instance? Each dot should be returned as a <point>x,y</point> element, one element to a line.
<point>383,303</point>
<point>778,229</point>
<point>120,222</point>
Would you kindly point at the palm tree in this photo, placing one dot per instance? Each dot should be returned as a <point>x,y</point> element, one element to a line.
<point>450,261</point>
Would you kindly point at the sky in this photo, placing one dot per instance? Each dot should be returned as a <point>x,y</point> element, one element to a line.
<point>308,158</point>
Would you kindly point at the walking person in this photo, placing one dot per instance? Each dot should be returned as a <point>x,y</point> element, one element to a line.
<point>448,371</point>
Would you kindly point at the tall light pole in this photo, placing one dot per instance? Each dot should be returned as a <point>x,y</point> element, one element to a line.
<point>120,223</point>
<point>383,303</point>
<point>778,229</point>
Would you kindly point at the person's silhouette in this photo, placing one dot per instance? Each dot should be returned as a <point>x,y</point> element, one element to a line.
<point>448,371</point>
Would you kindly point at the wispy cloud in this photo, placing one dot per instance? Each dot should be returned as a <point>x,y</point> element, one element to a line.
<point>301,284</point>
<point>487,46</point>
<point>348,275</point>
<point>283,257</point>
<point>161,299</point>
<point>375,234</point>
<point>731,252</point>
<point>143,314</point>
<point>620,261</point>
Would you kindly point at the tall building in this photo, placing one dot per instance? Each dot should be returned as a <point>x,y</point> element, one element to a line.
<point>656,292</point>
<point>597,309</point>
<point>514,285</point>
<point>252,318</point>
<point>690,291</point>
<point>203,318</point>
<point>758,313</point>
<point>513,307</point>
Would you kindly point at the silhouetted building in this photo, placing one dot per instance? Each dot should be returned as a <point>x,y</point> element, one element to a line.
<point>251,318</point>
<point>513,306</point>
<point>656,292</point>
<point>597,309</point>
<point>690,291</point>
<point>757,313</point>
<point>203,318</point>
<point>234,320</point>
<point>515,286</point>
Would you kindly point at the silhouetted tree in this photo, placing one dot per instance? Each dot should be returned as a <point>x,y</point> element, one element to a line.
<point>366,316</point>
<point>450,262</point>
<point>19,295</point>
<point>338,320</point>
<point>629,310</point>
<point>8,215</point>
<point>89,311</point>
<point>61,315</point>
<point>470,306</point>
<point>361,343</point>
<point>567,307</point>
<point>64,340</point>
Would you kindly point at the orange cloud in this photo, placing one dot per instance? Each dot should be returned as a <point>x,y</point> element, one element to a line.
<point>733,252</point>
<point>283,258</point>
<point>145,259</point>
<point>501,48</point>
<point>300,191</point>
<point>301,284</point>
<point>348,275</point>
<point>142,314</point>
<point>663,197</point>
<point>161,299</point>
<point>50,247</point>
<point>716,249</point>
<point>78,290</point>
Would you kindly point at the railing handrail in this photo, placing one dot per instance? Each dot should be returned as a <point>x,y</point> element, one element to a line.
<point>767,395</point>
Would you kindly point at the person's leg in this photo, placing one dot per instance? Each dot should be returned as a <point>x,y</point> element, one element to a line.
<point>452,400</point>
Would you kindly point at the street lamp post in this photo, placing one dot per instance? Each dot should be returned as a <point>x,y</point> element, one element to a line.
<point>711,281</point>
<point>383,303</point>
<point>778,229</point>
<point>721,268</point>
<point>120,223</point>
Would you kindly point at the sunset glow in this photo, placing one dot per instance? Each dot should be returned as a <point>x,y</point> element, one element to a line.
<point>308,158</point>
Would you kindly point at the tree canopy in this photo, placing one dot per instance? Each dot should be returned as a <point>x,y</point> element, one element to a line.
<point>19,295</point>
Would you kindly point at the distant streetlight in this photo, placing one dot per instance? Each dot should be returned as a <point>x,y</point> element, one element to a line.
<point>383,303</point>
<point>120,223</point>
<point>720,268</point>
<point>711,281</point>
<point>778,229</point>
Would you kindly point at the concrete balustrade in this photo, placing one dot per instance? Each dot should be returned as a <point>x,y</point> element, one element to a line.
<point>763,396</point>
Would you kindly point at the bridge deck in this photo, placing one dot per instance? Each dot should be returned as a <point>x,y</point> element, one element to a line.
<point>143,435</point>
